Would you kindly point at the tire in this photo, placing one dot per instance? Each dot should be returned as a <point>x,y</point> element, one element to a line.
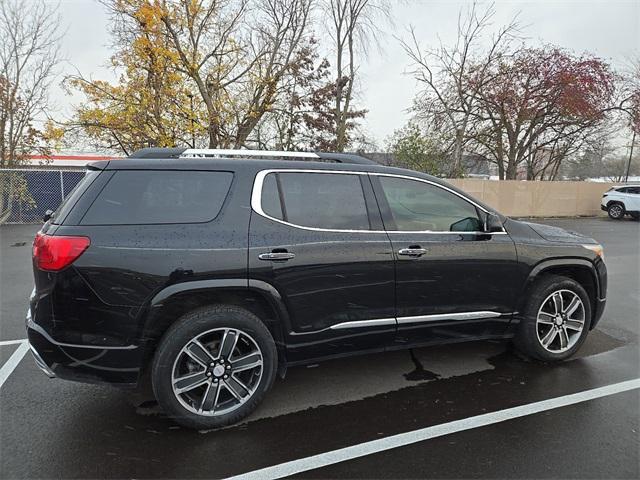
<point>615,210</point>
<point>539,324</point>
<point>214,388</point>
<point>635,215</point>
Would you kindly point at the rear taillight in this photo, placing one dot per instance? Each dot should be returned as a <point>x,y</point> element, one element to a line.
<point>53,253</point>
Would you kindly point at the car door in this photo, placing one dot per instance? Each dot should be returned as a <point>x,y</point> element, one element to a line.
<point>634,199</point>
<point>317,238</point>
<point>622,195</point>
<point>453,280</point>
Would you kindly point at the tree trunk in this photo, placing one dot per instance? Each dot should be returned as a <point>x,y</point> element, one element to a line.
<point>212,135</point>
<point>512,169</point>
<point>457,152</point>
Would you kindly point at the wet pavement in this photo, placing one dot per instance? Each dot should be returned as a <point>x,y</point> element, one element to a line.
<point>54,428</point>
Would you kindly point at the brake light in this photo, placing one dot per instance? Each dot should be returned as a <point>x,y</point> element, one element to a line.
<point>53,253</point>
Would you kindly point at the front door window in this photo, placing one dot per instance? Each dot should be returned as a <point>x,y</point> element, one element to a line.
<point>419,206</point>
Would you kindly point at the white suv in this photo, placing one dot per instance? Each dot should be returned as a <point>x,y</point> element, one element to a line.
<point>618,201</point>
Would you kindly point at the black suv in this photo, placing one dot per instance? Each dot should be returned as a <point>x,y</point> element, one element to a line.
<point>209,275</point>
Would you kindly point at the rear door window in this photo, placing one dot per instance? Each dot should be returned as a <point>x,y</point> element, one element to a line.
<point>135,197</point>
<point>331,201</point>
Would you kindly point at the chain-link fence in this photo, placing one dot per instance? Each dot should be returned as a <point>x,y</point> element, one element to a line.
<point>25,195</point>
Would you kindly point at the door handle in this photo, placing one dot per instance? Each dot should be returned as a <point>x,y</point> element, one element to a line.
<point>413,251</point>
<point>274,256</point>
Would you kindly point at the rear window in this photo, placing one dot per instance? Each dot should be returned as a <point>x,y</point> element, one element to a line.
<point>135,197</point>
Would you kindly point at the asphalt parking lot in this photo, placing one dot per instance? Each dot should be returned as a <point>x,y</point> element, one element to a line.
<point>446,397</point>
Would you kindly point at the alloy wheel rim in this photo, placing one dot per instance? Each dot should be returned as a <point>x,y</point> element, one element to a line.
<point>217,371</point>
<point>560,321</point>
<point>616,210</point>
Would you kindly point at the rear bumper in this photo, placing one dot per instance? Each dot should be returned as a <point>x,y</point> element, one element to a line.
<point>603,207</point>
<point>42,365</point>
<point>83,363</point>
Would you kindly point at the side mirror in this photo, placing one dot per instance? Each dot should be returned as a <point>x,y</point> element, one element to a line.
<point>47,216</point>
<point>492,223</point>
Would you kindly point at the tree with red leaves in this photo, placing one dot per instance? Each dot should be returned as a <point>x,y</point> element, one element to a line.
<point>539,106</point>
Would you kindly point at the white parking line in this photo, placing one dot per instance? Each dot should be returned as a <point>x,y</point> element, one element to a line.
<point>12,342</point>
<point>408,438</point>
<point>14,360</point>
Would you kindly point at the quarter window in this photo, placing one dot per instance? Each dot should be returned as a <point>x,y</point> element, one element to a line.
<point>134,197</point>
<point>318,200</point>
<point>270,197</point>
<point>419,206</point>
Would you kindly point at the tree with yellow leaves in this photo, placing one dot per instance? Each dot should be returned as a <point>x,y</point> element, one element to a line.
<point>151,104</point>
<point>193,71</point>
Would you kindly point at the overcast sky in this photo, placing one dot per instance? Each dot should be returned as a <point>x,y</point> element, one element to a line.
<point>609,29</point>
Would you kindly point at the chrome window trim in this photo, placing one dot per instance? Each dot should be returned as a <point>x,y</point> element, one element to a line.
<point>256,198</point>
<point>256,201</point>
<point>424,180</point>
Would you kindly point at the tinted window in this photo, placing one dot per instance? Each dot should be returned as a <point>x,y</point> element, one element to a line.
<point>318,200</point>
<point>145,197</point>
<point>270,199</point>
<point>71,199</point>
<point>417,206</point>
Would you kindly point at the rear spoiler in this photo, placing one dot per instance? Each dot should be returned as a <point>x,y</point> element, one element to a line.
<point>101,165</point>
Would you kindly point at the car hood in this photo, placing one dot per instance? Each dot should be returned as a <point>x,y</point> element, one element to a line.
<point>557,234</point>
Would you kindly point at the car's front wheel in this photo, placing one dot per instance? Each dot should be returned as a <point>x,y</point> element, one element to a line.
<point>615,211</point>
<point>555,320</point>
<point>213,367</point>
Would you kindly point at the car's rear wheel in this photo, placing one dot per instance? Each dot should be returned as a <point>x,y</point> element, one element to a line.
<point>635,215</point>
<point>555,320</point>
<point>615,210</point>
<point>213,367</point>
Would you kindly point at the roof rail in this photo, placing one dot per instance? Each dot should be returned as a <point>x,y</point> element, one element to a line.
<point>244,153</point>
<point>225,153</point>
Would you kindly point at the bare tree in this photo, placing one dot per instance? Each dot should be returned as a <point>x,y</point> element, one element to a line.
<point>628,103</point>
<point>29,54</point>
<point>353,26</point>
<point>237,60</point>
<point>280,48</point>
<point>150,105</point>
<point>448,97</point>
